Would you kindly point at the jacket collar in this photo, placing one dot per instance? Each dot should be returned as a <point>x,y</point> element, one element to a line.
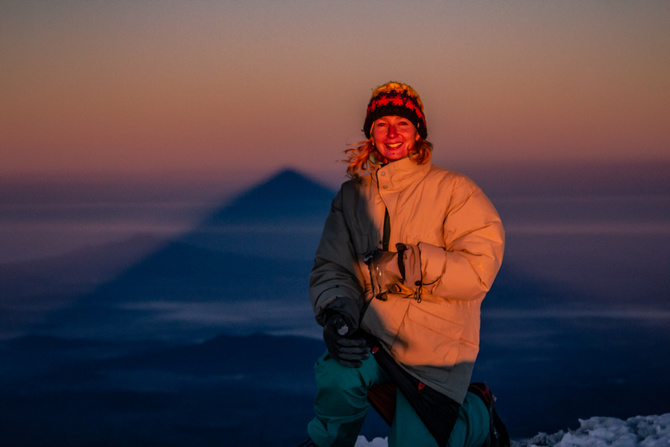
<point>399,174</point>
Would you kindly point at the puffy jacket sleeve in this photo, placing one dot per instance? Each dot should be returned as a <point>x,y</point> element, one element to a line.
<point>474,240</point>
<point>336,278</point>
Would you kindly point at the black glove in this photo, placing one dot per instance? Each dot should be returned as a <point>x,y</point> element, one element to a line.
<point>388,269</point>
<point>347,348</point>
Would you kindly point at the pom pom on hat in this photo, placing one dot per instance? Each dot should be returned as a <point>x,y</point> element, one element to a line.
<point>394,98</point>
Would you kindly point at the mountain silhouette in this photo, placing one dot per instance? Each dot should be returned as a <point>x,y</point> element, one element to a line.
<point>281,218</point>
<point>257,248</point>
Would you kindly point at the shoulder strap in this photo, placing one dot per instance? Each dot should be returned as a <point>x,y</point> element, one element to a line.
<point>387,230</point>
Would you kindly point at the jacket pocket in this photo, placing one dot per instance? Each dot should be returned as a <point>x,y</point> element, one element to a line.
<point>430,334</point>
<point>383,319</point>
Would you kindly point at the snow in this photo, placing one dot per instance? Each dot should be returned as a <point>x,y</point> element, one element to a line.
<point>377,442</point>
<point>639,431</point>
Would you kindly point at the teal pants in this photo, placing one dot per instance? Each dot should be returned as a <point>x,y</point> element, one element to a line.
<point>341,406</point>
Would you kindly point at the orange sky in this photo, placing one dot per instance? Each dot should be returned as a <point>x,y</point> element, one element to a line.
<point>193,86</point>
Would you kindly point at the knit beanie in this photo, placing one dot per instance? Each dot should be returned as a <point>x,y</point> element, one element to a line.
<point>394,98</point>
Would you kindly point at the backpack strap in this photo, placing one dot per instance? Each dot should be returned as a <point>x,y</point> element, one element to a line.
<point>498,434</point>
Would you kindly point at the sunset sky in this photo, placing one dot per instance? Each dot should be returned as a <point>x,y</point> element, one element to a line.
<point>159,87</point>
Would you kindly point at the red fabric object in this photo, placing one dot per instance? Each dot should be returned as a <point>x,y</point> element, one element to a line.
<point>383,399</point>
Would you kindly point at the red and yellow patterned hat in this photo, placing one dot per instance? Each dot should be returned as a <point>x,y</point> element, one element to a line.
<point>394,98</point>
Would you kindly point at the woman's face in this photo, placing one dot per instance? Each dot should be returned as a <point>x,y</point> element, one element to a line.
<point>394,136</point>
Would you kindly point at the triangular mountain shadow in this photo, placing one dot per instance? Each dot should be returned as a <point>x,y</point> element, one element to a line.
<point>280,218</point>
<point>221,261</point>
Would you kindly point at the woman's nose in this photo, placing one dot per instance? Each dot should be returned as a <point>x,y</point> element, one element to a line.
<point>392,131</point>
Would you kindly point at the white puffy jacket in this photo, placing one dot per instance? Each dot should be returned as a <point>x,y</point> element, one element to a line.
<point>461,241</point>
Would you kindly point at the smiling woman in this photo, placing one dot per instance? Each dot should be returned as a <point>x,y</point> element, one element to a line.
<point>407,254</point>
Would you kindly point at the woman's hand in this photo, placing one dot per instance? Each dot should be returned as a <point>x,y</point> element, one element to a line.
<point>388,269</point>
<point>347,348</point>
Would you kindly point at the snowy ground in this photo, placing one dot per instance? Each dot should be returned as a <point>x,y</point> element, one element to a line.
<point>639,431</point>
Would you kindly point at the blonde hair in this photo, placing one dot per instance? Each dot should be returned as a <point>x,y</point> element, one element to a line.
<point>365,157</point>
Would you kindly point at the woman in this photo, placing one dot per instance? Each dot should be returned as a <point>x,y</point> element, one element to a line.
<point>407,255</point>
